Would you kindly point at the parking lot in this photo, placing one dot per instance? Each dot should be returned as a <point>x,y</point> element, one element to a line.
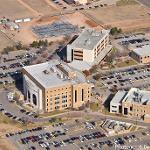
<point>133,41</point>
<point>14,112</point>
<point>84,136</point>
<point>125,79</point>
<point>90,5</point>
<point>11,64</point>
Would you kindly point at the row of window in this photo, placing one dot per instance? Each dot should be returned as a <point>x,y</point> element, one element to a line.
<point>59,89</point>
<point>57,107</point>
<point>57,102</point>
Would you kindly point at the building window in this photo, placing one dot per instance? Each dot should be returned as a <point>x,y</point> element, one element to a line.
<point>57,107</point>
<point>75,95</point>
<point>114,106</point>
<point>114,111</point>
<point>131,108</point>
<point>34,99</point>
<point>125,111</point>
<point>64,101</point>
<point>82,95</point>
<point>57,102</point>
<point>29,96</point>
<point>64,105</point>
<point>64,96</point>
<point>56,97</point>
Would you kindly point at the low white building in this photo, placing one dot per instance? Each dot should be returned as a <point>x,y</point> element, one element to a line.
<point>12,26</point>
<point>116,102</point>
<point>81,1</point>
<point>89,46</point>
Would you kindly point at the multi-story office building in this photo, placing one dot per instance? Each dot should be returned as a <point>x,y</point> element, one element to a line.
<point>54,86</point>
<point>135,104</point>
<point>141,55</point>
<point>88,46</point>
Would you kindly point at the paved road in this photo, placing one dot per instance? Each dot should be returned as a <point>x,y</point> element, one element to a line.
<point>145,2</point>
<point>16,111</point>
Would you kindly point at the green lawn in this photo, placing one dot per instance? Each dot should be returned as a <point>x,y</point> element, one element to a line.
<point>94,106</point>
<point>52,113</point>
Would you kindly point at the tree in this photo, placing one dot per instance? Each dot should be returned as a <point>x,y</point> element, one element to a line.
<point>115,30</point>
<point>8,49</point>
<point>19,46</point>
<point>34,44</point>
<point>97,76</point>
<point>87,73</point>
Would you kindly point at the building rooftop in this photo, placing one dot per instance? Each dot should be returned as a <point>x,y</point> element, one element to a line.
<point>143,51</point>
<point>119,96</point>
<point>137,96</point>
<point>89,38</point>
<point>50,75</point>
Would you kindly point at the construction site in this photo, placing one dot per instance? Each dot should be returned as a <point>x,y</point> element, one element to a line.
<point>56,29</point>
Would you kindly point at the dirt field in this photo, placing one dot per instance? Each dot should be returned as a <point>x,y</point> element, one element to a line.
<point>79,19</point>
<point>13,9</point>
<point>125,17</point>
<point>4,143</point>
<point>42,7</point>
<point>26,35</point>
<point>6,42</point>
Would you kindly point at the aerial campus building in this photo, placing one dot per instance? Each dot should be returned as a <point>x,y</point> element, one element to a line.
<point>135,103</point>
<point>54,86</point>
<point>141,55</point>
<point>76,1</point>
<point>90,46</point>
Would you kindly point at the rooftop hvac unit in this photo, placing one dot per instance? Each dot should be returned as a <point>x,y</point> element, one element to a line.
<point>60,75</point>
<point>46,72</point>
<point>53,69</point>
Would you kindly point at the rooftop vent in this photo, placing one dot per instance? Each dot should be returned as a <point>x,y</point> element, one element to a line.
<point>95,34</point>
<point>88,42</point>
<point>137,97</point>
<point>53,69</point>
<point>46,72</point>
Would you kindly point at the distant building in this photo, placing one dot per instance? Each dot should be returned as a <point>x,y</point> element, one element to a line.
<point>55,86</point>
<point>69,2</point>
<point>135,104</point>
<point>116,103</point>
<point>12,25</point>
<point>141,55</point>
<point>88,46</point>
<point>81,1</point>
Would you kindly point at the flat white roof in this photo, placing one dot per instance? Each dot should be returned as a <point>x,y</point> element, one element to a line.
<point>89,38</point>
<point>143,51</point>
<point>48,75</point>
<point>119,96</point>
<point>136,95</point>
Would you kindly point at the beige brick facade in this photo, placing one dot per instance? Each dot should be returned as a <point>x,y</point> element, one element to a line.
<point>70,93</point>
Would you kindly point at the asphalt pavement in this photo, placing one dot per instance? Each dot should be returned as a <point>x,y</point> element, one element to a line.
<point>145,2</point>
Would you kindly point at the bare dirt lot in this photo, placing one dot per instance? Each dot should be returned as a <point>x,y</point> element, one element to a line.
<point>4,143</point>
<point>13,9</point>
<point>79,19</point>
<point>41,6</point>
<point>125,17</point>
<point>4,41</point>
<point>26,36</point>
